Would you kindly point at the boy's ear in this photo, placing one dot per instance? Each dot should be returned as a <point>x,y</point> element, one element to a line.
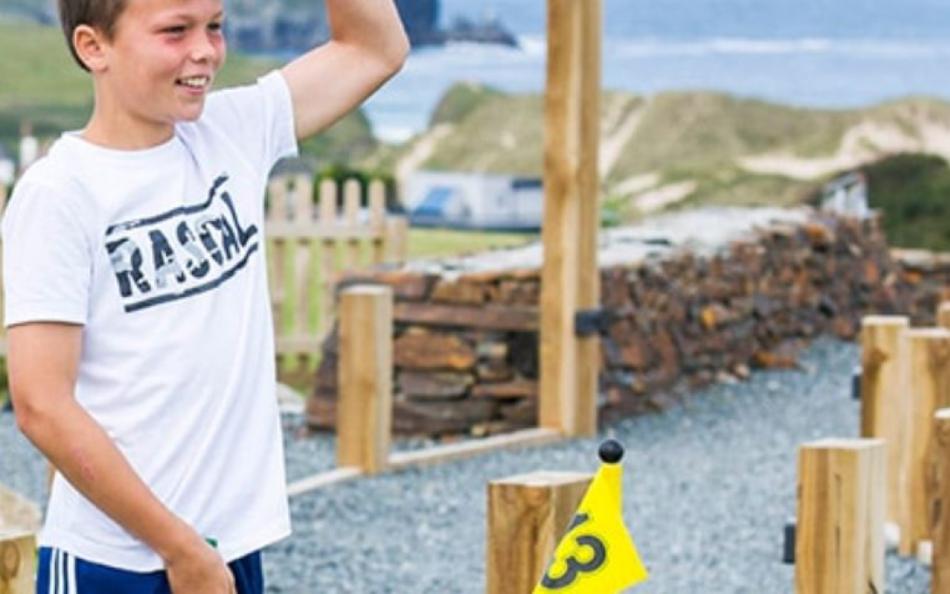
<point>90,45</point>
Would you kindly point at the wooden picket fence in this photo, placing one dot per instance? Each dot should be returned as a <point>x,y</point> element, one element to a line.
<point>310,243</point>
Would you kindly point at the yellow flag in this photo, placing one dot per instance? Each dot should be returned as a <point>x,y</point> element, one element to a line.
<point>597,555</point>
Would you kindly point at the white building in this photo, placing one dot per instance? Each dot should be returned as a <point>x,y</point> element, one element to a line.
<point>7,169</point>
<point>847,195</point>
<point>474,201</point>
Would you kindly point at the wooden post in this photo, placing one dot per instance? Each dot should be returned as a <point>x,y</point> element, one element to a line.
<point>570,276</point>
<point>18,513</point>
<point>277,212</point>
<point>364,411</point>
<point>351,211</point>
<point>940,512</point>
<point>397,239</point>
<point>17,563</point>
<point>839,546</point>
<point>3,331</point>
<point>943,315</point>
<point>377,218</point>
<point>527,516</point>
<point>328,220</point>
<point>302,202</point>
<point>882,398</point>
<point>928,385</point>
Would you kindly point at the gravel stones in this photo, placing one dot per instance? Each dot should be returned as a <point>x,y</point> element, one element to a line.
<point>708,487</point>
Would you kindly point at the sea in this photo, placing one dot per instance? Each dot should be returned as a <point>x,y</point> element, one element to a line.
<point>833,54</point>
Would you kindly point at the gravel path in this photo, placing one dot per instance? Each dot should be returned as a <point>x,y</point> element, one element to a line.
<point>708,487</point>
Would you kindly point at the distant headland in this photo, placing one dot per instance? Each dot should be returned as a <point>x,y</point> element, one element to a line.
<point>257,26</point>
<point>293,26</point>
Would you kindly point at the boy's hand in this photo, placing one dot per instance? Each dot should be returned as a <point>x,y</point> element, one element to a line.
<point>42,361</point>
<point>199,568</point>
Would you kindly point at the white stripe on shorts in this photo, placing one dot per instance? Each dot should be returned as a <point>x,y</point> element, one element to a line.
<point>61,568</point>
<point>71,574</point>
<point>52,564</point>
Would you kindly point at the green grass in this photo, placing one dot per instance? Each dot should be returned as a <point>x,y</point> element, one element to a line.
<point>443,243</point>
<point>46,88</point>
<point>914,193</point>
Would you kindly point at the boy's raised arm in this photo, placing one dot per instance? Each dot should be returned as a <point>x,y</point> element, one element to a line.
<point>367,46</point>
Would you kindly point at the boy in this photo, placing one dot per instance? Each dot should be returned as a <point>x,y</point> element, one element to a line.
<point>141,353</point>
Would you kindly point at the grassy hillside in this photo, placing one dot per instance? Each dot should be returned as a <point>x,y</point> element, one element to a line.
<point>672,150</point>
<point>718,148</point>
<point>45,87</point>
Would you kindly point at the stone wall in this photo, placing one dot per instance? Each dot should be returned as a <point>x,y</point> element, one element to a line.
<point>466,343</point>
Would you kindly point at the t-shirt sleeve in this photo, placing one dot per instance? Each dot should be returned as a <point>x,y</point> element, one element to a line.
<point>259,118</point>
<point>47,265</point>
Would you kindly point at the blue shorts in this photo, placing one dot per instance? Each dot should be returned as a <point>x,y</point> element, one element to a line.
<point>62,573</point>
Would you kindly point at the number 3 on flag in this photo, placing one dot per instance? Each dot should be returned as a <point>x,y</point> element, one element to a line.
<point>587,546</point>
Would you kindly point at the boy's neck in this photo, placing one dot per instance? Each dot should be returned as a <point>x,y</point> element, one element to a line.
<point>115,129</point>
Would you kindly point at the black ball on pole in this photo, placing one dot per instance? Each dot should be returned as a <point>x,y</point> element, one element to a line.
<point>610,451</point>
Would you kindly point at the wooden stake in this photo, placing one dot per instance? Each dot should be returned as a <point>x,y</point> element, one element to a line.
<point>17,513</point>
<point>277,213</point>
<point>882,399</point>
<point>839,546</point>
<point>302,201</point>
<point>928,383</point>
<point>351,211</point>
<point>527,515</point>
<point>943,315</point>
<point>17,563</point>
<point>328,220</point>
<point>377,218</point>
<point>397,239</point>
<point>570,276</point>
<point>940,511</point>
<point>364,412</point>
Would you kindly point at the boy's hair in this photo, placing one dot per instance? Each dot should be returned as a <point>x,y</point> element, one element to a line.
<point>99,14</point>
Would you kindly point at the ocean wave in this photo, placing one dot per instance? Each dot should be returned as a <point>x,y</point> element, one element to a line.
<point>750,46</point>
<point>536,45</point>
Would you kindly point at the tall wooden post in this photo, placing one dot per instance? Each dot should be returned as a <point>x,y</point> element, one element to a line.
<point>928,383</point>
<point>570,277</point>
<point>527,515</point>
<point>882,399</point>
<point>940,511</point>
<point>17,563</point>
<point>364,411</point>
<point>839,545</point>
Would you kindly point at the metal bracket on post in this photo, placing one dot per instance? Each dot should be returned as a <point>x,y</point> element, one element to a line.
<point>856,379</point>
<point>788,548</point>
<point>590,322</point>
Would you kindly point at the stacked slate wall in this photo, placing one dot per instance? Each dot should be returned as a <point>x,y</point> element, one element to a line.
<point>466,346</point>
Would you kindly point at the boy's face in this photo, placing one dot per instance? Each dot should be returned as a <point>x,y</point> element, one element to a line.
<point>162,59</point>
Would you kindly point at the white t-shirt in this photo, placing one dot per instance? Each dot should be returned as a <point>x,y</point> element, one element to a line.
<point>159,254</point>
